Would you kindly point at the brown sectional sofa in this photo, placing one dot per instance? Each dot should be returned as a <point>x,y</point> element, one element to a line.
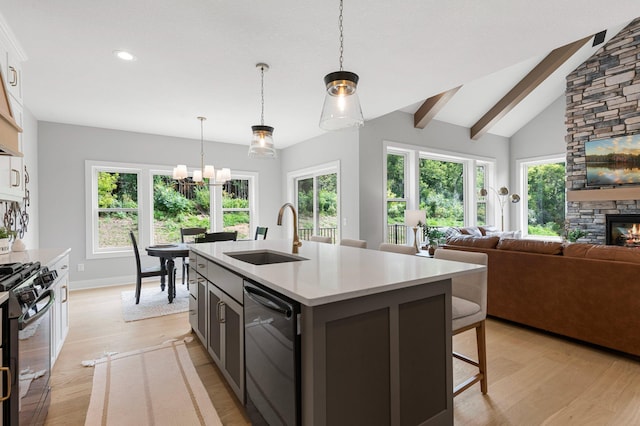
<point>584,291</point>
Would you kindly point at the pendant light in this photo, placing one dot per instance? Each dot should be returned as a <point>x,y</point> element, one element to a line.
<point>262,140</point>
<point>341,109</point>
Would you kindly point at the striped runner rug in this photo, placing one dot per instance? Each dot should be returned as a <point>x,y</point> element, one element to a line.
<point>152,386</point>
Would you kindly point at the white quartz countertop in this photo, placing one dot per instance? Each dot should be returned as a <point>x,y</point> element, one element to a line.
<point>331,272</point>
<point>46,257</point>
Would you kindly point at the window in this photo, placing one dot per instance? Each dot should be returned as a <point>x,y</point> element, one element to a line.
<point>175,206</point>
<point>316,195</point>
<point>396,197</point>
<point>445,185</point>
<point>543,206</point>
<point>147,200</point>
<point>481,203</point>
<point>236,212</point>
<point>442,191</point>
<point>114,209</point>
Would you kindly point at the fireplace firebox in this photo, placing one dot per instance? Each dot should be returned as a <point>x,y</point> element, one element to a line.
<point>623,230</point>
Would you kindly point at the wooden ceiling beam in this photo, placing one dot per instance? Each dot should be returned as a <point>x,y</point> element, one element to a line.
<point>521,90</point>
<point>431,107</point>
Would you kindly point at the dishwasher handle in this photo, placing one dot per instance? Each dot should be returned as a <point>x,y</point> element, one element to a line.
<point>269,301</point>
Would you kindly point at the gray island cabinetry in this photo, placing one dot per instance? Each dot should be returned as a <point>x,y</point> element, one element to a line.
<point>375,327</point>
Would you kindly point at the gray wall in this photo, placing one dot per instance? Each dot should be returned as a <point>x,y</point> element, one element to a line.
<point>31,238</point>
<point>398,127</point>
<point>342,146</point>
<point>63,149</point>
<point>544,135</point>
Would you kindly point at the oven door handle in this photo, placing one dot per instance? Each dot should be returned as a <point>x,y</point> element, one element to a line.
<point>25,319</point>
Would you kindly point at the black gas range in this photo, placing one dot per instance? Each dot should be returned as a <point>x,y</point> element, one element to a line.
<point>26,341</point>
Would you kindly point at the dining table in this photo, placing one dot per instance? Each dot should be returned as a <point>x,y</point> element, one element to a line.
<point>167,253</point>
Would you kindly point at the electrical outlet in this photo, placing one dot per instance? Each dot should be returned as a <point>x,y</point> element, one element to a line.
<point>80,267</point>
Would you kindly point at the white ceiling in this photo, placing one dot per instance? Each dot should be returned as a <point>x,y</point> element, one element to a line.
<point>197,57</point>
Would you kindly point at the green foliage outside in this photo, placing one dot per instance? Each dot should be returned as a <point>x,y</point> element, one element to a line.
<point>546,193</point>
<point>327,201</point>
<point>173,208</point>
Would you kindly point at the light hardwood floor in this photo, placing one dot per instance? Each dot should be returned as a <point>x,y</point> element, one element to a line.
<point>533,378</point>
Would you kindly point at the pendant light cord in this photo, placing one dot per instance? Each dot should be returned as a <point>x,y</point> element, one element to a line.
<point>202,143</point>
<point>341,36</point>
<point>262,94</point>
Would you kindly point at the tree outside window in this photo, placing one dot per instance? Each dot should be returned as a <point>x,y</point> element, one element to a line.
<point>317,200</point>
<point>236,212</point>
<point>177,205</point>
<point>545,198</point>
<point>117,208</point>
<point>442,192</point>
<point>396,198</point>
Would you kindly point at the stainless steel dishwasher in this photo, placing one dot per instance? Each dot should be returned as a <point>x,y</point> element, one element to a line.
<point>272,357</point>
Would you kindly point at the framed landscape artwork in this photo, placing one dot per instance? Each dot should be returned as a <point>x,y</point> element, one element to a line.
<point>614,161</point>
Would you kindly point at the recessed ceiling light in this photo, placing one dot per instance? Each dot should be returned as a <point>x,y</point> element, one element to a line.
<point>124,55</point>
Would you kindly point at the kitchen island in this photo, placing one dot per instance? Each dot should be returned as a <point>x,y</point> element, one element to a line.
<point>375,327</point>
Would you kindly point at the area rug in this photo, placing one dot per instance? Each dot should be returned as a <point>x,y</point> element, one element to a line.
<point>153,303</point>
<point>152,386</point>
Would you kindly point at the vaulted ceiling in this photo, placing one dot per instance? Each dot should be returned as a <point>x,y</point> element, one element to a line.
<point>197,57</point>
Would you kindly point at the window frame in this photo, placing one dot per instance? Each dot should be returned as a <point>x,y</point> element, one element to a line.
<point>216,217</point>
<point>314,172</point>
<point>92,169</point>
<point>522,183</point>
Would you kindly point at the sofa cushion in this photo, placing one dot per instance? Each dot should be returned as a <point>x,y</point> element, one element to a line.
<point>576,249</point>
<point>506,234</point>
<point>602,252</point>
<point>486,229</point>
<point>471,230</point>
<point>531,246</point>
<point>472,241</point>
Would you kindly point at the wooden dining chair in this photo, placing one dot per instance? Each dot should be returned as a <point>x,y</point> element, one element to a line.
<point>190,234</point>
<point>261,231</point>
<point>153,271</point>
<point>212,237</point>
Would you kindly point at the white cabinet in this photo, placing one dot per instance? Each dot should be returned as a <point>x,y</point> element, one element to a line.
<point>60,321</point>
<point>12,167</point>
<point>13,76</point>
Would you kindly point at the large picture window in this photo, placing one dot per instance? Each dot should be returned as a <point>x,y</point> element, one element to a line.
<point>148,201</point>
<point>442,192</point>
<point>444,185</point>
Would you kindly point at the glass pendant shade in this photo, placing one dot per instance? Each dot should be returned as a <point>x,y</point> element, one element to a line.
<point>262,142</point>
<point>341,109</point>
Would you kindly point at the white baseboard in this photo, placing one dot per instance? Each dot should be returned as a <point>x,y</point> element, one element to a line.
<point>110,282</point>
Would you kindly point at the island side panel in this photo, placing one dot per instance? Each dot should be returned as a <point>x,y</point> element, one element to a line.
<point>388,352</point>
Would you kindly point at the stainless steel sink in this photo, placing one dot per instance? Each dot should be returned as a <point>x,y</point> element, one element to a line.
<point>264,257</point>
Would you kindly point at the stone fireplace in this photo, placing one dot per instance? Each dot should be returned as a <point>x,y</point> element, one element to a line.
<point>623,230</point>
<point>602,98</point>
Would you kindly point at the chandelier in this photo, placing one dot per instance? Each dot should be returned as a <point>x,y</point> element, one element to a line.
<point>216,177</point>
<point>341,109</point>
<point>262,140</point>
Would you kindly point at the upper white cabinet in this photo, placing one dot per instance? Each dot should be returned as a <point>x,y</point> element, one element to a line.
<point>12,172</point>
